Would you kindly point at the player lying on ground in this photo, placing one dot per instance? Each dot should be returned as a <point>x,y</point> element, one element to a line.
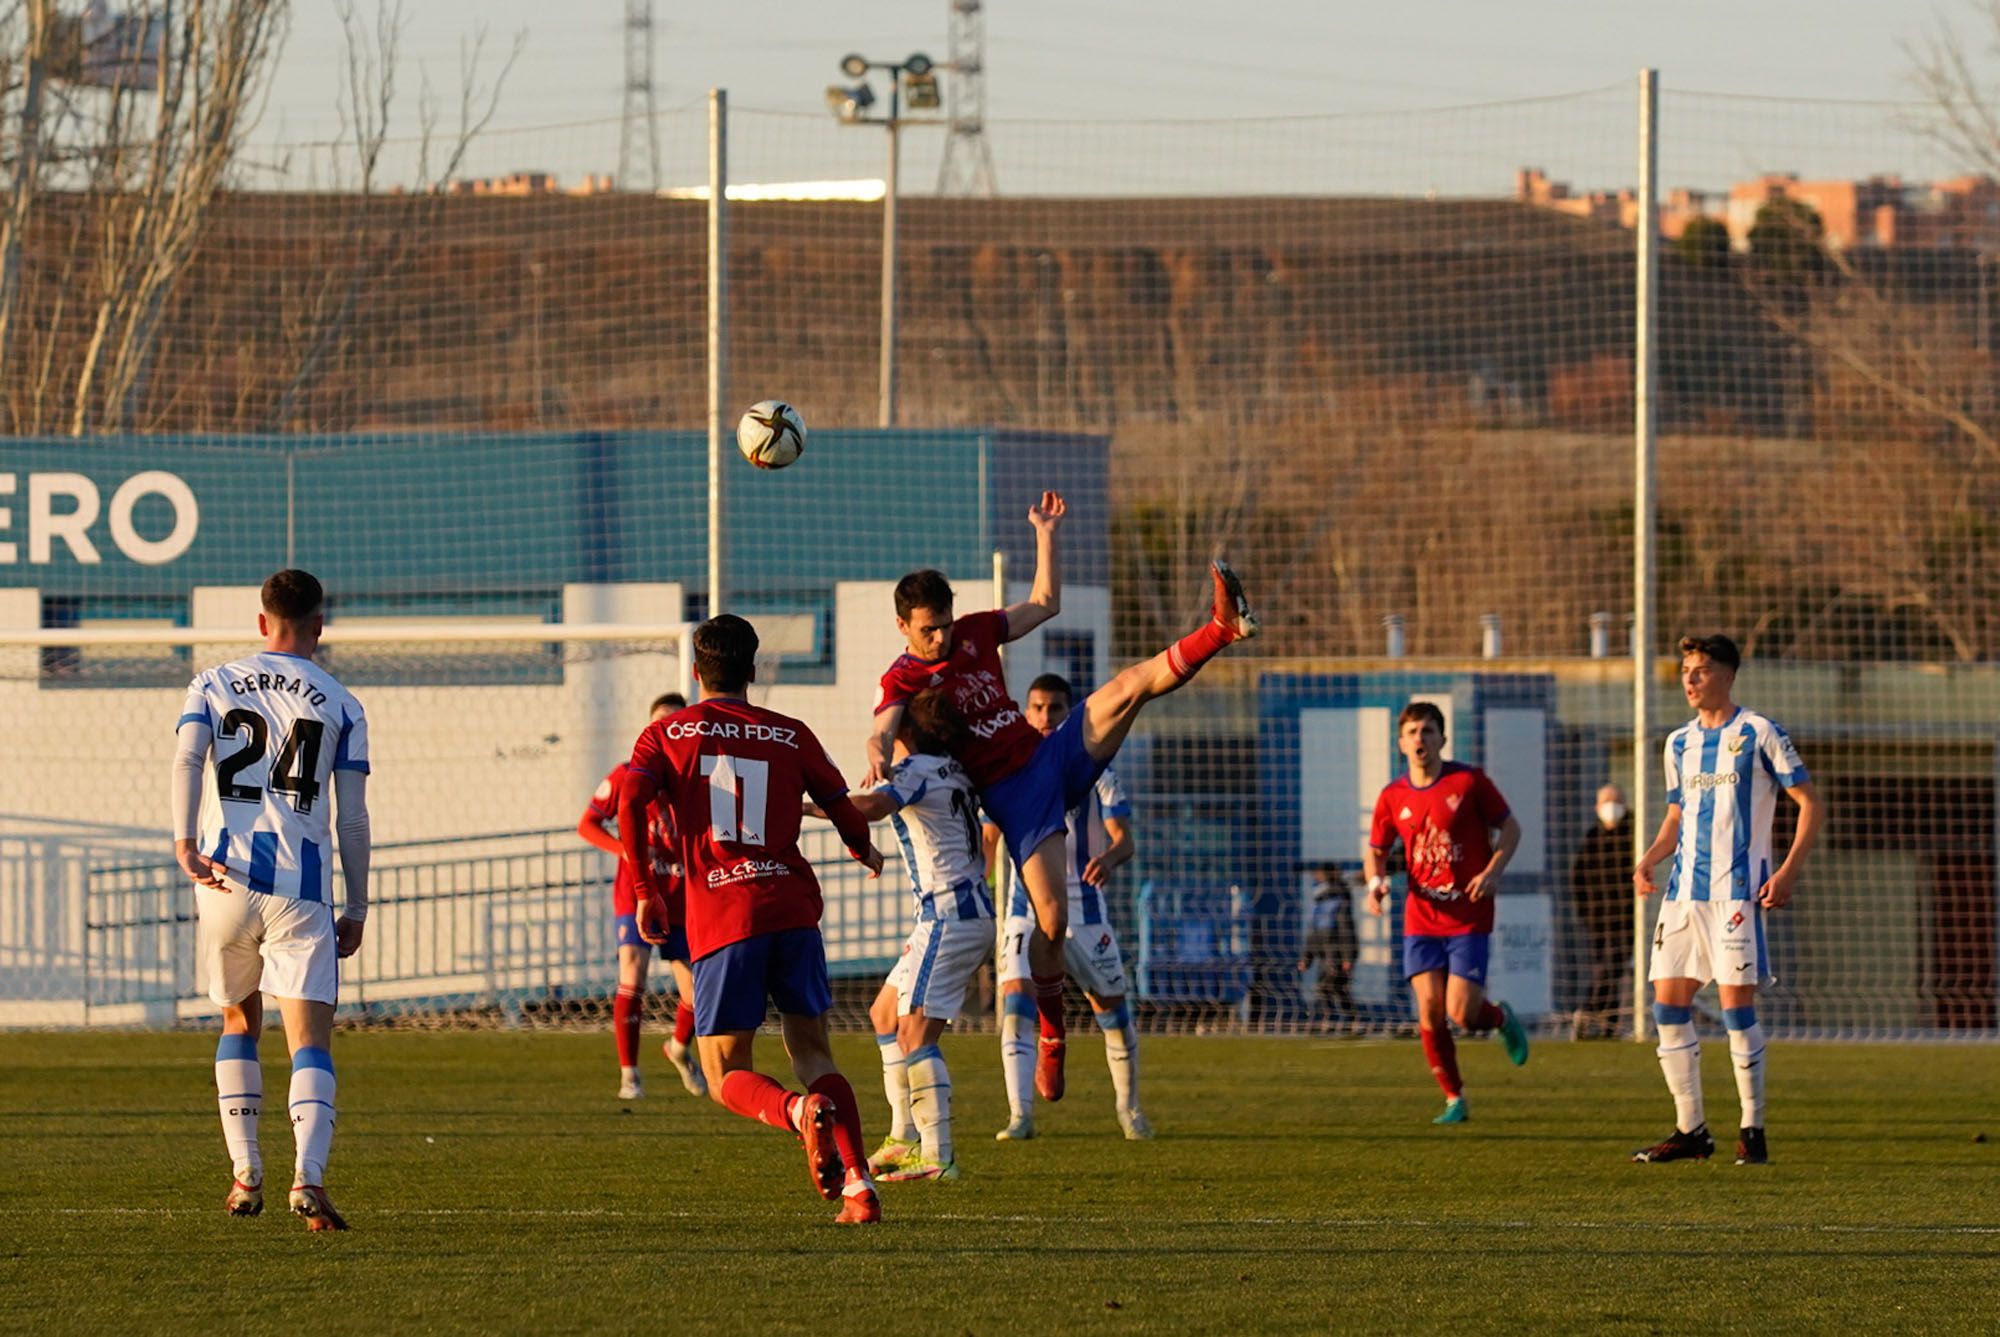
<point>278,729</point>
<point>1445,814</point>
<point>629,1004</point>
<point>1724,770</point>
<point>929,801</point>
<point>1027,782</point>
<point>733,778</point>
<point>1099,839</point>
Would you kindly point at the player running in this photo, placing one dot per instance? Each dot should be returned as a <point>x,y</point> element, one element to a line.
<point>1445,814</point>
<point>278,729</point>
<point>733,777</point>
<point>629,1004</point>
<point>1100,839</point>
<point>1026,782</point>
<point>1727,765</point>
<point>929,801</point>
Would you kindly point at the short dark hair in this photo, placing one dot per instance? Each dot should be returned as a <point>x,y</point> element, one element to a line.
<point>725,653</point>
<point>293,595</point>
<point>922,589</point>
<point>667,701</point>
<point>1719,649</point>
<point>1053,683</point>
<point>1421,710</point>
<point>935,721</point>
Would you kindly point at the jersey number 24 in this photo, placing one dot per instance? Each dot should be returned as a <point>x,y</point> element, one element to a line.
<point>293,772</point>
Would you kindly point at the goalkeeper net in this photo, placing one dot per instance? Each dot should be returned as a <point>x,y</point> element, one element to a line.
<point>1386,362</point>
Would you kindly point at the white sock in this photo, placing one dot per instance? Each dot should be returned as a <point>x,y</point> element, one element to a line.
<point>1680,1061</point>
<point>1121,1054</point>
<point>1746,1057</point>
<point>896,1085</point>
<point>630,1074</point>
<point>312,1112</point>
<point>239,1091</point>
<point>1019,1026</point>
<point>930,1100</point>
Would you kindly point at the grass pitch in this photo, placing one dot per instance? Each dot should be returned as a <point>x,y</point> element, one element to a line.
<point>495,1185</point>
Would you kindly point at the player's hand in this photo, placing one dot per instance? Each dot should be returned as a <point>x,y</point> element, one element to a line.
<point>347,936</point>
<point>1778,891</point>
<point>1377,900</point>
<point>198,866</point>
<point>1482,886</point>
<point>651,917</point>
<point>1046,514</point>
<point>1095,872</point>
<point>1642,880</point>
<point>871,859</point>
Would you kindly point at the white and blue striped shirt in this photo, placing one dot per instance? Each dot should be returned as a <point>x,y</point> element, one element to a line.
<point>936,820</point>
<point>1726,782</point>
<point>278,727</point>
<point>1087,839</point>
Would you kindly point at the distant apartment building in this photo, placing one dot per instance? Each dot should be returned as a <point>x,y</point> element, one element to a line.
<point>1879,213</point>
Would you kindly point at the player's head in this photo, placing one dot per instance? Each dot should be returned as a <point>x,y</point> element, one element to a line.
<point>923,613</point>
<point>294,606</point>
<point>933,719</point>
<point>1708,670</point>
<point>725,655</point>
<point>665,704</point>
<point>1420,734</point>
<point>1048,702</point>
<point>1330,879</point>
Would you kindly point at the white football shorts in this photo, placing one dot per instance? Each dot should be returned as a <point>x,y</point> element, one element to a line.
<point>1090,954</point>
<point>249,941</point>
<point>1711,940</point>
<point>939,960</point>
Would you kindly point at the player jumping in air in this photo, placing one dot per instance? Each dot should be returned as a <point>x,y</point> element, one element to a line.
<point>634,953</point>
<point>278,729</point>
<point>733,777</point>
<point>1445,814</point>
<point>1026,782</point>
<point>930,802</point>
<point>1100,839</point>
<point>1724,770</point>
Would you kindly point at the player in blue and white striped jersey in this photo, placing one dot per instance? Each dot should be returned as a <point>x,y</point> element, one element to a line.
<point>1724,771</point>
<point>930,802</point>
<point>289,746</point>
<point>1099,839</point>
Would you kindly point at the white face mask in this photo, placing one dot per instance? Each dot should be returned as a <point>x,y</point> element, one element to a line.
<point>1611,813</point>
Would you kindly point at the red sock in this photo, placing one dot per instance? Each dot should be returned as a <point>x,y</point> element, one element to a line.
<point>1049,1004</point>
<point>625,1009</point>
<point>1186,655</point>
<point>847,1129</point>
<point>683,1024</point>
<point>1490,1017</point>
<point>1442,1051</point>
<point>755,1096</point>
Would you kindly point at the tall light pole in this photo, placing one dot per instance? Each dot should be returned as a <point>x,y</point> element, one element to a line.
<point>849,105</point>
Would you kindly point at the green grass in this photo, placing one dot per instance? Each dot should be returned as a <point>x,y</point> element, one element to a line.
<point>495,1186</point>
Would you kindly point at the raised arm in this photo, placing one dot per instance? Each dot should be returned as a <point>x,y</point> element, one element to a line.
<point>1045,598</point>
<point>351,830</point>
<point>882,744</point>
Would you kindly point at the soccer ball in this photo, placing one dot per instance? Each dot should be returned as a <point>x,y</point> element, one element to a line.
<point>772,434</point>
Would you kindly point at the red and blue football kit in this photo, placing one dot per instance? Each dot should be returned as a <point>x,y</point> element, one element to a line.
<point>1446,829</point>
<point>732,776</point>
<point>1000,740</point>
<point>659,847</point>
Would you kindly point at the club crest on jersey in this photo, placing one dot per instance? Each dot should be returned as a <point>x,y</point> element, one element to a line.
<point>1735,746</point>
<point>1453,800</point>
<point>1405,815</point>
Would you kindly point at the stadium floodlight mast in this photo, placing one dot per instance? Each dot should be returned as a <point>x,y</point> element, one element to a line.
<point>913,78</point>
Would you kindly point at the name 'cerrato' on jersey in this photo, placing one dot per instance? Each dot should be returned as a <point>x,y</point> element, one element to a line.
<point>280,727</point>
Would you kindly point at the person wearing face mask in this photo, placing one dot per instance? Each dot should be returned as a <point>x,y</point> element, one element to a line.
<point>1601,903</point>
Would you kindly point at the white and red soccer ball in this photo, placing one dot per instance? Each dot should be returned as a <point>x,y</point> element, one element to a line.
<point>772,434</point>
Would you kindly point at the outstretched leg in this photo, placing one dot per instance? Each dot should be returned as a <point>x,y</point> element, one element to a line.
<point>1109,711</point>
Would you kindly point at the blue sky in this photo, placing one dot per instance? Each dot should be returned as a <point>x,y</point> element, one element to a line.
<point>1057,69</point>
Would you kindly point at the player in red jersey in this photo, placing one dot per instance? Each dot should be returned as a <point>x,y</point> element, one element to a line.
<point>1445,815</point>
<point>734,776</point>
<point>1028,783</point>
<point>633,952</point>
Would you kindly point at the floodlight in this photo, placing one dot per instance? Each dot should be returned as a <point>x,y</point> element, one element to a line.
<point>918,63</point>
<point>920,92</point>
<point>854,66</point>
<point>847,104</point>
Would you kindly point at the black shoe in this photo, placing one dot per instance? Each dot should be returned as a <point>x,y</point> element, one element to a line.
<point>1750,1148</point>
<point>1695,1146</point>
